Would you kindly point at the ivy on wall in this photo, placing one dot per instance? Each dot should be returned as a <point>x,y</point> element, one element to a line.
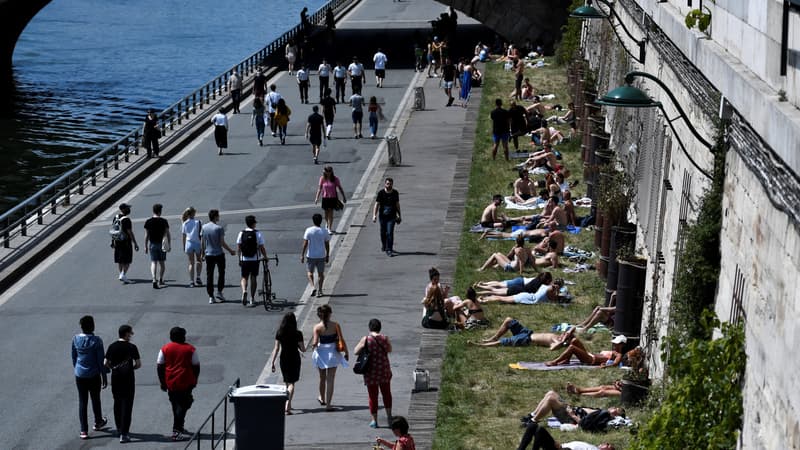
<point>702,406</point>
<point>567,49</point>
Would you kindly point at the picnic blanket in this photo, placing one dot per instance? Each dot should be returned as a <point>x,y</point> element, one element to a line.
<point>478,228</point>
<point>511,205</point>
<point>540,366</point>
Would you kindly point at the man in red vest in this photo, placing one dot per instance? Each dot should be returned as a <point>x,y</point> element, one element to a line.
<point>178,368</point>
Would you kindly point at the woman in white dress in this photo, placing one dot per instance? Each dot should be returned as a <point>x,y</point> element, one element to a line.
<point>328,345</point>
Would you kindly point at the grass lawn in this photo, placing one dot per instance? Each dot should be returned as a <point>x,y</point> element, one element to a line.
<point>481,398</point>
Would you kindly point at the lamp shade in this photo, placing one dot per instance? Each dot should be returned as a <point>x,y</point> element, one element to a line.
<point>627,96</point>
<point>587,12</point>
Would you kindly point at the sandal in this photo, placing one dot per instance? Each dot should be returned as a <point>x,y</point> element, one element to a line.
<point>321,402</point>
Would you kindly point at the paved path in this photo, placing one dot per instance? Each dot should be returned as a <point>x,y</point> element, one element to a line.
<point>276,183</point>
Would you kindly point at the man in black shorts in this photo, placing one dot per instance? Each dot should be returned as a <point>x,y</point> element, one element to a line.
<point>501,124</point>
<point>249,244</point>
<point>315,128</point>
<point>156,232</point>
<point>122,358</point>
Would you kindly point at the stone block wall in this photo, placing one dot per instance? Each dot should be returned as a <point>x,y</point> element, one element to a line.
<point>760,265</point>
<point>759,277</point>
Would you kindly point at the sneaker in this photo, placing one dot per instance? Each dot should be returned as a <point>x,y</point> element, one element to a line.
<point>274,134</point>
<point>360,136</point>
<point>161,282</point>
<point>124,438</point>
<point>319,293</point>
<point>100,425</point>
<point>155,284</point>
<point>252,304</point>
<point>244,298</point>
<point>178,436</point>
<point>211,300</point>
<point>313,292</point>
<point>124,279</point>
<point>220,297</point>
<point>191,284</point>
<point>84,435</point>
<point>198,282</point>
<point>260,143</point>
<point>315,160</point>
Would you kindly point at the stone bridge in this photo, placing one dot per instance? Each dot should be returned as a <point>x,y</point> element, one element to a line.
<point>518,20</point>
<point>14,17</point>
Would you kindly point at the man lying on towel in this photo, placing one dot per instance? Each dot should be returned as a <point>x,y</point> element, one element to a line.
<point>493,218</point>
<point>521,336</point>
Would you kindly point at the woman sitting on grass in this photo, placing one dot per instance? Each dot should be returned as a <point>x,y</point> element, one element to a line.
<point>516,260</point>
<point>468,312</point>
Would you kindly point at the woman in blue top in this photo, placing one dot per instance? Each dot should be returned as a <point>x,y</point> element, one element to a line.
<point>90,374</point>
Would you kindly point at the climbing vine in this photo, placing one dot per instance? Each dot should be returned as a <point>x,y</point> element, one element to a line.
<point>698,269</point>
<point>570,38</point>
<point>702,407</point>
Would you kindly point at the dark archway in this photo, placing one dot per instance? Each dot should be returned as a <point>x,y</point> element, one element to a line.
<point>539,21</point>
<point>14,17</point>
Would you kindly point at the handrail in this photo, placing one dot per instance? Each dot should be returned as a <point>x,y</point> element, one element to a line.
<point>16,221</point>
<point>197,436</point>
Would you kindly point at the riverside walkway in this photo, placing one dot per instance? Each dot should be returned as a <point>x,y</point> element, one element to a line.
<point>276,183</point>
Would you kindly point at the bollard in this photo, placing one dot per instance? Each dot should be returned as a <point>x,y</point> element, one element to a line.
<point>419,99</point>
<point>393,147</point>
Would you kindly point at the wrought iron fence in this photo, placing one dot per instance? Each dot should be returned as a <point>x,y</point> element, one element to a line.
<point>211,420</point>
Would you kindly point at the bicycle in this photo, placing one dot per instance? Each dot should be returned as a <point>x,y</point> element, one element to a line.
<point>266,291</point>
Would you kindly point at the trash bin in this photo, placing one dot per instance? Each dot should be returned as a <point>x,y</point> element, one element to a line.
<point>260,418</point>
<point>419,98</point>
<point>393,147</point>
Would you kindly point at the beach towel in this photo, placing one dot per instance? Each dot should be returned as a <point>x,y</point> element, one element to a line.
<point>511,205</point>
<point>540,366</point>
<point>478,228</point>
<point>573,229</point>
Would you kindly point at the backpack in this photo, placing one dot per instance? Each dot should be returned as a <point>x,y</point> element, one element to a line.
<point>116,229</point>
<point>249,243</point>
<point>595,421</point>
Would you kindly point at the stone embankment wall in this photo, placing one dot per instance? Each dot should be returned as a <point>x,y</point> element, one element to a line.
<point>739,60</point>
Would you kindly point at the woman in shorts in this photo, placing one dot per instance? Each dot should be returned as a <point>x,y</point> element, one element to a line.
<point>329,184</point>
<point>191,232</point>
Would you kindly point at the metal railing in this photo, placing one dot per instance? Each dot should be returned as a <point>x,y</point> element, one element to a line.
<point>197,437</point>
<point>106,164</point>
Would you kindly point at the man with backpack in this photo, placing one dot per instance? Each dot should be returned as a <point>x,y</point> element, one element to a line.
<point>123,241</point>
<point>250,244</point>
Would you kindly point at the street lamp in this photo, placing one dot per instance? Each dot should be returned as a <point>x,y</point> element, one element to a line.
<point>588,11</point>
<point>631,97</point>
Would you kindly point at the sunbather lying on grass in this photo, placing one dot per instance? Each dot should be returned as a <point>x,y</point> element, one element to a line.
<point>521,336</point>
<point>604,359</point>
<point>514,286</point>
<point>545,293</point>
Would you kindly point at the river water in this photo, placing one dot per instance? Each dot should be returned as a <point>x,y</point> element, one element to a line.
<point>85,72</point>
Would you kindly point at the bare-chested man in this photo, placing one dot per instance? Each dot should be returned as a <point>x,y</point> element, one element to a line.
<point>557,219</point>
<point>544,246</point>
<point>521,336</point>
<point>569,209</point>
<point>491,217</point>
<point>550,259</point>
<point>524,188</point>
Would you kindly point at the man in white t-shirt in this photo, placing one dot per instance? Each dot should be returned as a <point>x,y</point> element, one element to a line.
<point>324,73</point>
<point>250,244</point>
<point>316,251</point>
<point>357,76</point>
<point>380,67</point>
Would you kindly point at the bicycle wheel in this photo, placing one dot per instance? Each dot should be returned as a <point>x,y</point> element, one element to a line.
<point>267,291</point>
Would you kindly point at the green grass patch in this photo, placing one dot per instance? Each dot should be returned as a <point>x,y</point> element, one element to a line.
<point>481,398</point>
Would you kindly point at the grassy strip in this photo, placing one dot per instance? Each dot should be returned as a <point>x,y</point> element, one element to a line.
<point>481,398</point>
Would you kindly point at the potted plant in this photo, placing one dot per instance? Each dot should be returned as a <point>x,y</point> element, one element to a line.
<point>635,383</point>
